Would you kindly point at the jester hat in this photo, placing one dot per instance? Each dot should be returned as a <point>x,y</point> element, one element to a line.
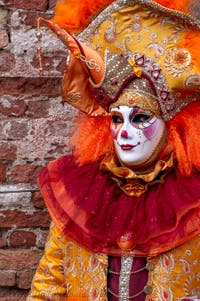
<point>113,43</point>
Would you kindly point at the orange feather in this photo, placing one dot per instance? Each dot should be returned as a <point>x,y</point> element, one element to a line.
<point>178,5</point>
<point>191,42</point>
<point>72,15</point>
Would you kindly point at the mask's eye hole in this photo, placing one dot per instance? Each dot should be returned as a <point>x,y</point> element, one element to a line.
<point>138,118</point>
<point>117,119</point>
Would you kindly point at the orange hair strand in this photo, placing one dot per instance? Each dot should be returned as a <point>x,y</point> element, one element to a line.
<point>92,138</point>
<point>184,137</point>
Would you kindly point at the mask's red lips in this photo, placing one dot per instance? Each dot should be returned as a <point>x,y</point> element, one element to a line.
<point>127,146</point>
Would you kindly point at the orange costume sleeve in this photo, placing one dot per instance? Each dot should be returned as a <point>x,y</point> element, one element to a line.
<point>49,282</point>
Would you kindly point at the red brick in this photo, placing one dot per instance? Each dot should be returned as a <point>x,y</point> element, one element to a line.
<point>30,86</point>
<point>2,172</point>
<point>30,18</point>
<point>3,242</point>
<point>9,59</point>
<point>61,65</point>
<point>7,151</point>
<point>10,294</point>
<point>3,38</point>
<point>7,278</point>
<point>37,200</point>
<point>19,238</point>
<point>19,259</point>
<point>25,173</point>
<point>13,107</point>
<point>20,219</point>
<point>38,5</point>
<point>48,63</point>
<point>25,279</point>
<point>56,128</point>
<point>16,129</point>
<point>38,109</point>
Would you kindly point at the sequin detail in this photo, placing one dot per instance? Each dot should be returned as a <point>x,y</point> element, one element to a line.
<point>117,5</point>
<point>148,32</point>
<point>124,279</point>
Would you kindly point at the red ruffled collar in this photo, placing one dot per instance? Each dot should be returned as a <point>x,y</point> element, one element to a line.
<point>90,208</point>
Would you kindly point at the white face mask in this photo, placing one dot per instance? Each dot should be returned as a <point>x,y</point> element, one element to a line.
<point>137,134</point>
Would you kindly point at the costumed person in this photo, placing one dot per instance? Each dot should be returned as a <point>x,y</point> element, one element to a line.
<point>125,206</point>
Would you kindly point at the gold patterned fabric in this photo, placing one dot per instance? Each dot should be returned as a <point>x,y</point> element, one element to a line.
<point>137,38</point>
<point>151,36</point>
<point>69,272</point>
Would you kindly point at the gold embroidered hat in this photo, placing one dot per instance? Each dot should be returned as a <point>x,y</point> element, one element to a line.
<point>126,42</point>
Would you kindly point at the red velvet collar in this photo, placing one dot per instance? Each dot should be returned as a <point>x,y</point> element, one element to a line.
<point>89,208</point>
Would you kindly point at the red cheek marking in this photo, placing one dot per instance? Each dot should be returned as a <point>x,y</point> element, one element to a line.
<point>114,129</point>
<point>113,133</point>
<point>149,132</point>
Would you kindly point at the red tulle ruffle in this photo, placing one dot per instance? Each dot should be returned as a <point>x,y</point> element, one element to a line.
<point>89,208</point>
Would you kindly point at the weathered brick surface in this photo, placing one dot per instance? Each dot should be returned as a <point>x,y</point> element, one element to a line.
<point>3,16</point>
<point>7,151</point>
<point>8,58</point>
<point>12,294</point>
<point>2,172</point>
<point>20,219</point>
<point>34,129</point>
<point>19,200</point>
<point>3,38</point>
<point>12,106</point>
<point>30,86</point>
<point>58,62</point>
<point>25,173</point>
<point>20,238</point>
<point>7,278</point>
<point>37,200</point>
<point>14,129</point>
<point>52,3</point>
<point>38,109</point>
<point>19,259</point>
<point>25,279</point>
<point>2,239</point>
<point>37,5</point>
<point>29,18</point>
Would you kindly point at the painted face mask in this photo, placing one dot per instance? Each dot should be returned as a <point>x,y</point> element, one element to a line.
<point>138,134</point>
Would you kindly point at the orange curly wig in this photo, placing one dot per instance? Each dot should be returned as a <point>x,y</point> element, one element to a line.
<point>92,138</point>
<point>184,137</point>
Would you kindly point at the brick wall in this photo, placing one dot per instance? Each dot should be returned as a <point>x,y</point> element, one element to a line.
<point>34,129</point>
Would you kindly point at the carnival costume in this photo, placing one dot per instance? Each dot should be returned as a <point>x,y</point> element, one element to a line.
<point>126,231</point>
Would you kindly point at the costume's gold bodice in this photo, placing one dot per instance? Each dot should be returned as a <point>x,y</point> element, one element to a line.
<point>69,272</point>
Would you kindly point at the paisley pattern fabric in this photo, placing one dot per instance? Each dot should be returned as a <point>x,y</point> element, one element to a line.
<point>69,272</point>
<point>177,273</point>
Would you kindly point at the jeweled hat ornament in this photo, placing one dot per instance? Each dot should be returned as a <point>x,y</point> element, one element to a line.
<point>149,48</point>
